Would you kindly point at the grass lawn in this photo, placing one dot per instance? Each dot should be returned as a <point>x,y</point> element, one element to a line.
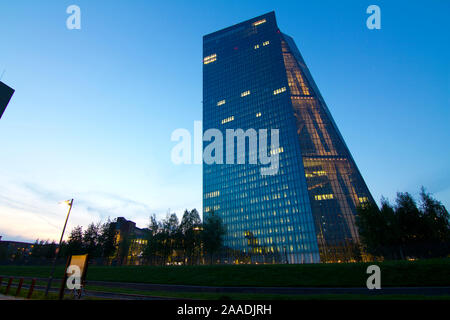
<point>433,272</point>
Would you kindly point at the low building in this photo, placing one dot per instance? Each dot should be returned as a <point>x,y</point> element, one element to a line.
<point>14,250</point>
<point>130,241</point>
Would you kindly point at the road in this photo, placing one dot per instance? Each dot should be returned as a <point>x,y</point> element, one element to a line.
<point>105,293</point>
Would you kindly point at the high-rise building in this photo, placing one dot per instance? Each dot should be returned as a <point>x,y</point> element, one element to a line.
<point>5,96</point>
<point>254,77</point>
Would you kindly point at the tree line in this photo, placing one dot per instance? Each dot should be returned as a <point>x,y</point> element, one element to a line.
<point>405,229</point>
<point>98,240</point>
<point>166,241</point>
<point>189,241</point>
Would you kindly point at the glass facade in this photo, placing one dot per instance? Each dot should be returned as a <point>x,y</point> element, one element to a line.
<point>255,78</point>
<point>5,96</point>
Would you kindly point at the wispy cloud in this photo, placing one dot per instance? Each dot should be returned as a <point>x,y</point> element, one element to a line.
<point>29,211</point>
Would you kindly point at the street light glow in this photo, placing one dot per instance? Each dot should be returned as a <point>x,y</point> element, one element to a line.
<point>67,202</point>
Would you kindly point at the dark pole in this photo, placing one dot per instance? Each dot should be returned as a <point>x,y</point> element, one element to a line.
<point>49,284</point>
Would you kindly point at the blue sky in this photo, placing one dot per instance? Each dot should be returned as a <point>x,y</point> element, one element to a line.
<point>94,108</point>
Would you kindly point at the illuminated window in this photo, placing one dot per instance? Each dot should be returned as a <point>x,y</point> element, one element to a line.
<point>324,197</point>
<point>258,114</point>
<point>276,151</point>
<point>316,174</point>
<point>210,59</point>
<point>229,119</point>
<point>363,199</point>
<point>221,102</point>
<point>245,93</point>
<point>257,23</point>
<point>278,91</point>
<point>212,194</point>
<point>256,46</point>
<point>266,43</point>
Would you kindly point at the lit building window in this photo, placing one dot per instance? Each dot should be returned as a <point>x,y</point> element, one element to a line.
<point>229,119</point>
<point>212,194</point>
<point>278,91</point>
<point>257,23</point>
<point>245,93</point>
<point>363,199</point>
<point>221,102</point>
<point>315,174</point>
<point>256,46</point>
<point>323,197</point>
<point>258,114</point>
<point>276,151</point>
<point>266,43</point>
<point>210,58</point>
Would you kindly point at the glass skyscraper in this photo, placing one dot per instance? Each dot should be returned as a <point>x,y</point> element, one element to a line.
<point>254,77</point>
<point>5,96</point>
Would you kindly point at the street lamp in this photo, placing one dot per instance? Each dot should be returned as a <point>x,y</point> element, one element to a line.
<point>49,284</point>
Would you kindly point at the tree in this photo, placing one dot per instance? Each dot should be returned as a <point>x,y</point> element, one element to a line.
<point>213,234</point>
<point>378,228</point>
<point>4,254</point>
<point>75,243</point>
<point>170,224</point>
<point>405,229</point>
<point>436,217</point>
<point>37,250</point>
<point>50,249</point>
<point>149,252</point>
<point>91,238</point>
<point>170,236</point>
<point>191,219</point>
<point>44,249</point>
<point>409,219</point>
<point>190,227</point>
<point>154,225</point>
<point>107,239</point>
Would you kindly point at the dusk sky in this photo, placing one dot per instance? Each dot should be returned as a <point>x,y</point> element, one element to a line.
<point>94,109</point>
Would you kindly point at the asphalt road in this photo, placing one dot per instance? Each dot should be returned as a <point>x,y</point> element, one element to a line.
<point>426,291</point>
<point>274,290</point>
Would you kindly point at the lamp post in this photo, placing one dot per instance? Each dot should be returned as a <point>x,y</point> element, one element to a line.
<point>49,284</point>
